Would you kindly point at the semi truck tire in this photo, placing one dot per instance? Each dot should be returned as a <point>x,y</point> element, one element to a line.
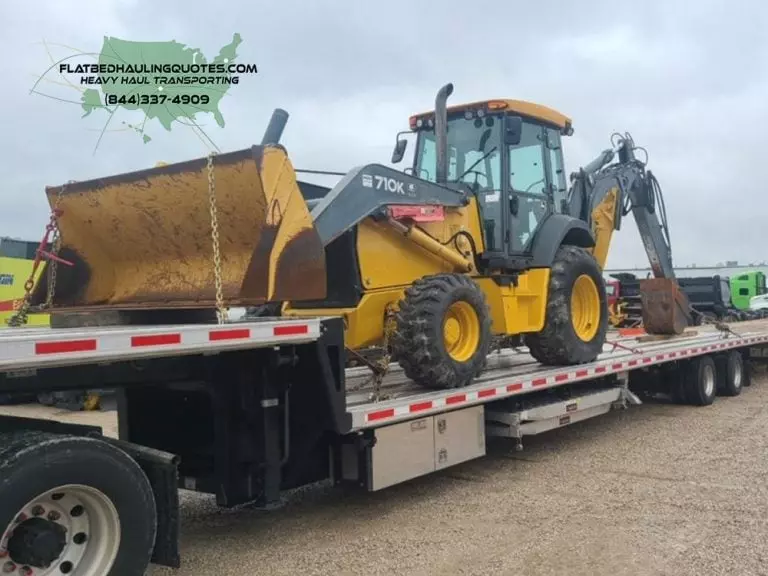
<point>700,381</point>
<point>730,373</point>
<point>72,505</point>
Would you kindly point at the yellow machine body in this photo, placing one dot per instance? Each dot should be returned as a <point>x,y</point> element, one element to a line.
<point>390,262</point>
<point>144,240</point>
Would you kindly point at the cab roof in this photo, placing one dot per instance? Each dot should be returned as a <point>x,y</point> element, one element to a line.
<point>521,107</point>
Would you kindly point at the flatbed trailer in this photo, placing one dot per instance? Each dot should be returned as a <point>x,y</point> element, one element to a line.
<point>251,409</point>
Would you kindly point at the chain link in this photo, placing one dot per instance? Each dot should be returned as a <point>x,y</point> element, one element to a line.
<point>221,311</point>
<point>21,316</point>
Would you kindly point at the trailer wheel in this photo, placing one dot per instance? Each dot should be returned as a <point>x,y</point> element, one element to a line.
<point>700,381</point>
<point>73,505</point>
<point>730,373</point>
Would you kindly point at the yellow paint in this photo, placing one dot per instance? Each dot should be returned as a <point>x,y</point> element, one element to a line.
<point>14,272</point>
<point>285,203</point>
<point>521,309</point>
<point>461,331</point>
<point>585,307</point>
<point>387,258</point>
<point>513,310</point>
<point>603,225</point>
<point>147,236</point>
<point>521,107</point>
<point>364,325</point>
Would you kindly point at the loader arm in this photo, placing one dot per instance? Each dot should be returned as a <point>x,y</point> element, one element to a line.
<point>601,194</point>
<point>366,190</point>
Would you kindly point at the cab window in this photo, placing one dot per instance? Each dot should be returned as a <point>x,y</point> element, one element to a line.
<point>526,162</point>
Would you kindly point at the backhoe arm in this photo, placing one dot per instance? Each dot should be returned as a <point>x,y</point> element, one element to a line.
<point>601,194</point>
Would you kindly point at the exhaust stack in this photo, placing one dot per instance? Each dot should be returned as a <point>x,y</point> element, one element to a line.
<point>441,133</point>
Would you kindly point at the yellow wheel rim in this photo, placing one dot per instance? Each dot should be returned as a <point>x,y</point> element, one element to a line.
<point>461,331</point>
<point>585,308</point>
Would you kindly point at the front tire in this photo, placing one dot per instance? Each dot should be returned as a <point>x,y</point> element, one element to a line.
<point>443,331</point>
<point>576,321</point>
<point>73,505</point>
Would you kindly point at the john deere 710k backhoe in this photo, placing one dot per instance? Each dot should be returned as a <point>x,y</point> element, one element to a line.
<point>480,238</point>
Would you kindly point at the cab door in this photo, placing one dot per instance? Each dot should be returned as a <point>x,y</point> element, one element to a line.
<point>528,186</point>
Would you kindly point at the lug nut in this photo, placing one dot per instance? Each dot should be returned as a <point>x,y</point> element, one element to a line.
<point>9,567</point>
<point>53,516</point>
<point>38,510</point>
<point>26,571</point>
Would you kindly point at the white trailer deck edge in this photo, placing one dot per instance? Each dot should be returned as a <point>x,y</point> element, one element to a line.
<point>510,372</point>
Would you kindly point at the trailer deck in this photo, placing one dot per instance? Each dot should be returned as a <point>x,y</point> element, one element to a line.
<point>251,409</point>
<point>514,372</point>
<point>510,372</point>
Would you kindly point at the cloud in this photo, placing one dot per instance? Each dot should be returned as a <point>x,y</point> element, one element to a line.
<point>687,80</point>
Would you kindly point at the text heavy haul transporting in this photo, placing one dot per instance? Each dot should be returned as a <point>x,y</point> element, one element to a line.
<point>250,409</point>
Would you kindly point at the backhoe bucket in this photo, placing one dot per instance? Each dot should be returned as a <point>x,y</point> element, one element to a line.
<point>143,239</point>
<point>666,310</point>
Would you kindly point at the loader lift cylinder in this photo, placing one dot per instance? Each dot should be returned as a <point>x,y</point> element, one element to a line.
<point>275,128</point>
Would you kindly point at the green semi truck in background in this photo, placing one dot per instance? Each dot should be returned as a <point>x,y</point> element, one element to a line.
<point>746,286</point>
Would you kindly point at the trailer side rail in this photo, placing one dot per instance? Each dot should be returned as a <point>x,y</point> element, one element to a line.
<point>32,348</point>
<point>373,414</point>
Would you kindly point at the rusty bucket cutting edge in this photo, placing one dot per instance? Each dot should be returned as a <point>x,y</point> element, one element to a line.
<point>665,307</point>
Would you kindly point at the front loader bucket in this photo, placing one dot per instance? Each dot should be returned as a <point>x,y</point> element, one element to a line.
<point>143,239</point>
<point>666,310</point>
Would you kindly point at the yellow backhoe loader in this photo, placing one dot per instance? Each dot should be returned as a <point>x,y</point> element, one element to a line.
<point>481,237</point>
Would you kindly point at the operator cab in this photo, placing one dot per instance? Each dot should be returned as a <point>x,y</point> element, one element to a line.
<point>508,152</point>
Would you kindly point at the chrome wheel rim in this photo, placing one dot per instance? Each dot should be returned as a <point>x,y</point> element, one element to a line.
<point>71,529</point>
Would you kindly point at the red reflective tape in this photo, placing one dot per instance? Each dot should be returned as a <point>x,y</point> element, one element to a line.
<point>632,363</point>
<point>694,350</point>
<point>582,373</point>
<point>419,406</point>
<point>540,382</point>
<point>672,354</point>
<point>155,340</point>
<point>486,393</point>
<point>660,357</point>
<point>381,414</point>
<point>599,369</point>
<point>66,346</point>
<point>7,305</point>
<point>647,360</point>
<point>617,366</point>
<point>236,334</point>
<point>457,399</point>
<point>561,377</point>
<point>290,330</point>
<point>515,387</point>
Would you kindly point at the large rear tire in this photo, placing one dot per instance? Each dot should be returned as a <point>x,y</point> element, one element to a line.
<point>73,505</point>
<point>577,311</point>
<point>443,331</point>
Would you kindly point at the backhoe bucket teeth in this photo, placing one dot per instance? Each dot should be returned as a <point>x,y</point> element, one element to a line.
<point>143,239</point>
<point>666,310</point>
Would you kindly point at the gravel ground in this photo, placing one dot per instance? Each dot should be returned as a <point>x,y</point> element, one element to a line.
<point>656,489</point>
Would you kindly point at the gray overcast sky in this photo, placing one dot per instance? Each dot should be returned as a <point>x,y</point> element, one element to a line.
<point>687,79</point>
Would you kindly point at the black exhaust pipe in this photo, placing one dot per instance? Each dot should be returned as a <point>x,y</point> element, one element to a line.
<point>441,133</point>
<point>275,127</point>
